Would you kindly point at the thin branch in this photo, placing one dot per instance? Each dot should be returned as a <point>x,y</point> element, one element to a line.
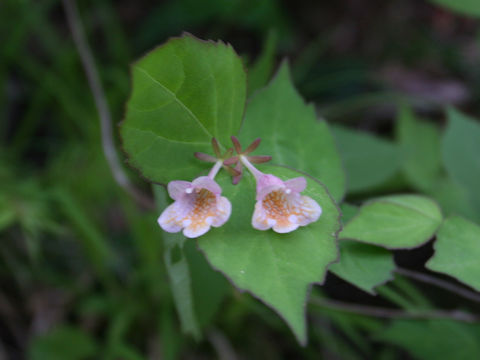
<point>222,346</point>
<point>428,279</point>
<point>394,313</point>
<point>88,63</point>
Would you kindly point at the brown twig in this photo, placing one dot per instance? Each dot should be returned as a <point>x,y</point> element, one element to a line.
<point>88,63</point>
<point>394,313</point>
<point>425,278</point>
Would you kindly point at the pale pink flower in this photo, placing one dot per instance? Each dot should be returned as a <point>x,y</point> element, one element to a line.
<point>198,206</point>
<point>279,203</point>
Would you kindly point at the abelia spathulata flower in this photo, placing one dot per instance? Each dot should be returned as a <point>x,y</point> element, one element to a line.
<point>198,204</point>
<point>279,204</point>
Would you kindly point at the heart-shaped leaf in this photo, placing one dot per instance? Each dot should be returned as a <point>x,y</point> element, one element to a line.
<point>276,268</point>
<point>184,93</point>
<point>457,251</point>
<point>395,222</point>
<point>363,265</point>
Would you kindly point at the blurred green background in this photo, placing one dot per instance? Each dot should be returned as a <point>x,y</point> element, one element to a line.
<point>82,268</point>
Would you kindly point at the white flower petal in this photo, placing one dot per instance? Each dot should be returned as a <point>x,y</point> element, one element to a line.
<point>308,211</point>
<point>171,218</point>
<point>224,209</point>
<point>296,184</point>
<point>285,227</point>
<point>177,188</point>
<point>195,230</point>
<point>259,218</point>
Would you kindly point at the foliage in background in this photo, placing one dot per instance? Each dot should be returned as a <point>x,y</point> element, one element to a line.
<point>84,273</point>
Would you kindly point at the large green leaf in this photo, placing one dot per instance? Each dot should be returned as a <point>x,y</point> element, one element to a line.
<point>292,134</point>
<point>184,93</point>
<point>420,147</point>
<point>466,7</point>
<point>395,222</point>
<point>457,251</point>
<point>276,268</point>
<point>461,149</point>
<point>434,339</point>
<point>365,266</point>
<point>369,161</point>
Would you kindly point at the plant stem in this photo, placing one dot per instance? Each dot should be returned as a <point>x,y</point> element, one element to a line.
<point>393,313</point>
<point>88,63</point>
<point>428,279</point>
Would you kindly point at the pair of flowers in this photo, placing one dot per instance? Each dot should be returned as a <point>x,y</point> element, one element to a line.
<point>198,205</point>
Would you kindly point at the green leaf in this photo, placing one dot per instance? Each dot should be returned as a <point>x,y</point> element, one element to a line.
<point>291,133</point>
<point>178,273</point>
<point>184,93</point>
<point>260,72</point>
<point>457,251</point>
<point>395,222</point>
<point>276,268</point>
<point>369,160</point>
<point>197,289</point>
<point>453,199</point>
<point>63,343</point>
<point>209,287</point>
<point>420,146</point>
<point>461,149</point>
<point>365,266</point>
<point>466,7</point>
<point>348,212</point>
<point>434,339</point>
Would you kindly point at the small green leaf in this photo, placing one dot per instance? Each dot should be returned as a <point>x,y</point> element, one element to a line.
<point>453,199</point>
<point>461,149</point>
<point>209,287</point>
<point>348,212</point>
<point>178,273</point>
<point>63,343</point>
<point>434,339</point>
<point>369,160</point>
<point>457,251</point>
<point>395,222</point>
<point>291,133</point>
<point>276,268</point>
<point>465,7</point>
<point>365,266</point>
<point>184,93</point>
<point>197,289</point>
<point>420,146</point>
